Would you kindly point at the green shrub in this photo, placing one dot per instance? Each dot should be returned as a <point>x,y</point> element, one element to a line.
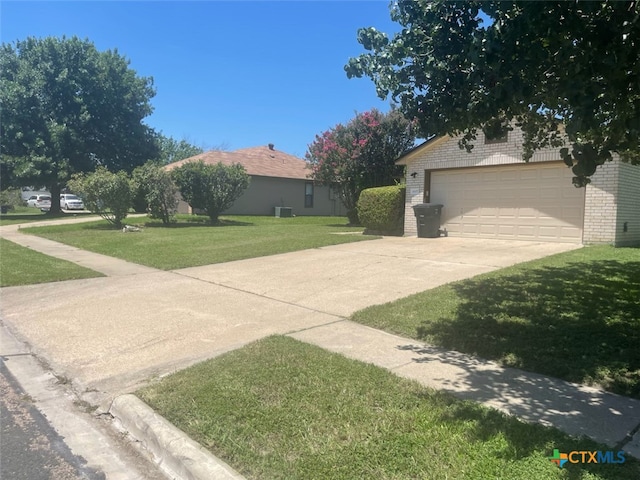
<point>105,193</point>
<point>159,194</point>
<point>381,209</point>
<point>10,199</point>
<point>211,187</point>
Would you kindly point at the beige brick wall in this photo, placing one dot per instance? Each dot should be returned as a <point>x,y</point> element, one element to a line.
<point>600,205</point>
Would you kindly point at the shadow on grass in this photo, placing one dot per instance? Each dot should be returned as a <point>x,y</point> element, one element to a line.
<point>23,216</point>
<point>31,217</point>
<point>102,225</point>
<point>342,225</point>
<point>484,425</point>
<point>579,322</point>
<point>191,224</point>
<point>145,223</point>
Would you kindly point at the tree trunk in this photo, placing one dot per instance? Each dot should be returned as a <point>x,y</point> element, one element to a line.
<point>350,201</point>
<point>352,215</point>
<point>55,199</point>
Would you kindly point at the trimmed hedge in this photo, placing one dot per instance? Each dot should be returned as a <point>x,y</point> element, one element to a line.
<point>381,209</point>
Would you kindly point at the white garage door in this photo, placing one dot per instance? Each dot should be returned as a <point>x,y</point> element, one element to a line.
<point>524,202</point>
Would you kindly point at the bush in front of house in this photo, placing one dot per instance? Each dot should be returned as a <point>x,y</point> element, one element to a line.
<point>106,193</point>
<point>10,199</point>
<point>381,209</point>
<point>210,187</point>
<point>154,188</point>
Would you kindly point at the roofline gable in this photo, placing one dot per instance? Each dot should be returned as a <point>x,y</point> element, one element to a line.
<point>423,147</point>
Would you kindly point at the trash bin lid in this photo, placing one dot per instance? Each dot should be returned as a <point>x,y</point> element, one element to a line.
<point>421,206</point>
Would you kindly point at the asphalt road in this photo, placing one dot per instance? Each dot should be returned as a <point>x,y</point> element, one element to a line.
<point>31,448</point>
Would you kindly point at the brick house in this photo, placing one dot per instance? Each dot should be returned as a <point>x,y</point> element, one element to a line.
<point>492,193</point>
<point>277,180</point>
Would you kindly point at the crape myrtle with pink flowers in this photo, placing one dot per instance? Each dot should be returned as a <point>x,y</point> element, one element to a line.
<point>361,154</point>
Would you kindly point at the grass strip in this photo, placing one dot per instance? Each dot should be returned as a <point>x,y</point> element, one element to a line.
<point>23,266</point>
<point>22,215</point>
<point>283,409</point>
<point>575,316</point>
<point>192,242</point>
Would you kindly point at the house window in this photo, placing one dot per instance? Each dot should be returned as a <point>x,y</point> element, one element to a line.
<point>308,195</point>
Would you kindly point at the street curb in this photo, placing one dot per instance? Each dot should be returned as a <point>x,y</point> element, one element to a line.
<point>172,450</point>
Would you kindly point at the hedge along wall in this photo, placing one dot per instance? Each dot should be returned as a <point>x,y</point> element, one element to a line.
<point>381,209</point>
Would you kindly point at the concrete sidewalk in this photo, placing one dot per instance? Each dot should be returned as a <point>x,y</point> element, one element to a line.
<point>574,409</point>
<point>163,321</point>
<point>109,266</point>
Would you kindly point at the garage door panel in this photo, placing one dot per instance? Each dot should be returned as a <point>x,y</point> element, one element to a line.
<point>507,176</point>
<point>469,229</point>
<point>551,193</point>
<point>551,173</point>
<point>571,232</point>
<point>529,174</point>
<point>507,230</point>
<point>525,231</point>
<point>490,177</point>
<point>573,213</point>
<point>550,232</point>
<point>508,212</point>
<point>534,201</point>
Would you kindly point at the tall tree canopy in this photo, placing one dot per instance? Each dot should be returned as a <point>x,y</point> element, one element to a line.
<point>360,154</point>
<point>68,108</point>
<point>172,150</point>
<point>566,72</point>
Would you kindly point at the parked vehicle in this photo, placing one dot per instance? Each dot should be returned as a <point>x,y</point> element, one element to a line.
<point>28,192</point>
<point>43,202</point>
<point>69,201</point>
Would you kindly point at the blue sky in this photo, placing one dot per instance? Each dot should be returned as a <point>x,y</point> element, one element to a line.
<point>234,74</point>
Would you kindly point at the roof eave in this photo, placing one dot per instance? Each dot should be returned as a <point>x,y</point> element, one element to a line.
<point>420,149</point>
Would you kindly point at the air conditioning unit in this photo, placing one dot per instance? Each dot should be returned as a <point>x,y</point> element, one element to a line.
<point>284,212</point>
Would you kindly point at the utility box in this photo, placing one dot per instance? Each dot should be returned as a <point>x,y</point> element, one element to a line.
<point>284,212</point>
<point>428,218</point>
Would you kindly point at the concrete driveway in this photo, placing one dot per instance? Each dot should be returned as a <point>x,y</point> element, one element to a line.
<point>111,334</point>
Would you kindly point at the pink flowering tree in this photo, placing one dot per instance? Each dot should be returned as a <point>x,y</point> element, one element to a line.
<point>361,154</point>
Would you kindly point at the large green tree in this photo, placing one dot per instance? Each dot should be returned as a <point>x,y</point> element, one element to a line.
<point>566,72</point>
<point>360,154</point>
<point>68,108</point>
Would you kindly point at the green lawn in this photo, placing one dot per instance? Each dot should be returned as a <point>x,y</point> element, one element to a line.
<point>22,266</point>
<point>282,409</point>
<point>30,214</point>
<point>193,242</point>
<point>22,215</point>
<point>574,316</point>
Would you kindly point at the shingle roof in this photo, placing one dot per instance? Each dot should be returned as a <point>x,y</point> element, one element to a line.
<point>260,161</point>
